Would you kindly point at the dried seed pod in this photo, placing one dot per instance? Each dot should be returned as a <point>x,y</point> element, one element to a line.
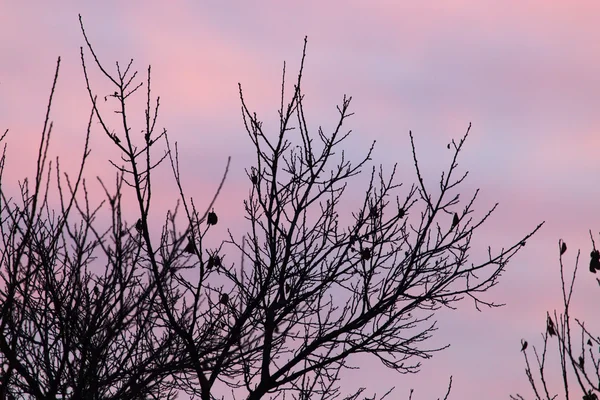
<point>212,218</point>
<point>365,254</point>
<point>551,329</point>
<point>191,247</point>
<point>563,248</point>
<point>523,345</point>
<point>254,179</point>
<point>455,220</point>
<point>401,213</point>
<point>213,261</point>
<point>590,396</point>
<point>224,298</point>
<point>595,261</point>
<point>139,225</point>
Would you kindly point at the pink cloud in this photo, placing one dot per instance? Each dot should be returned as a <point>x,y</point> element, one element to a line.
<point>524,74</point>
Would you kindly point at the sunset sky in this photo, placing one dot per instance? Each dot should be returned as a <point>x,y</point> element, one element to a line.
<point>525,73</point>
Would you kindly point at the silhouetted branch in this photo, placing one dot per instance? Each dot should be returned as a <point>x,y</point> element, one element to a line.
<point>583,365</point>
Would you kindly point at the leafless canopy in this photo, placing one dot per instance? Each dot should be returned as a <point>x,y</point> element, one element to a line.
<point>579,361</point>
<point>315,285</point>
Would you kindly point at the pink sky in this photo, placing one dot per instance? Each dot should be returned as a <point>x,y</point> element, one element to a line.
<point>525,73</point>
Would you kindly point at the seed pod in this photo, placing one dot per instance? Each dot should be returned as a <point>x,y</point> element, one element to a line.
<point>595,261</point>
<point>224,298</point>
<point>590,396</point>
<point>254,179</point>
<point>551,330</point>
<point>213,261</point>
<point>523,345</point>
<point>139,225</point>
<point>455,220</point>
<point>191,247</point>
<point>563,248</point>
<point>401,213</point>
<point>212,218</point>
<point>365,254</point>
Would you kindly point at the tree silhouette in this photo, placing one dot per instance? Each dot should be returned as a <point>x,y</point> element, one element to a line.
<point>577,374</point>
<point>315,284</point>
<point>67,331</point>
<point>316,291</point>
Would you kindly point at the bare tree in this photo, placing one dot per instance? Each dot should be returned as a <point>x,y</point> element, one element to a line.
<point>317,292</point>
<point>579,361</point>
<point>66,329</point>
<point>315,286</point>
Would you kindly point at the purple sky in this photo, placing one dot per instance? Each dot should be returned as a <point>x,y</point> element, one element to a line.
<point>525,73</point>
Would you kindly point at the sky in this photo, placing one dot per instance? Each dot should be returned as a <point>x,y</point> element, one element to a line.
<point>524,73</point>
